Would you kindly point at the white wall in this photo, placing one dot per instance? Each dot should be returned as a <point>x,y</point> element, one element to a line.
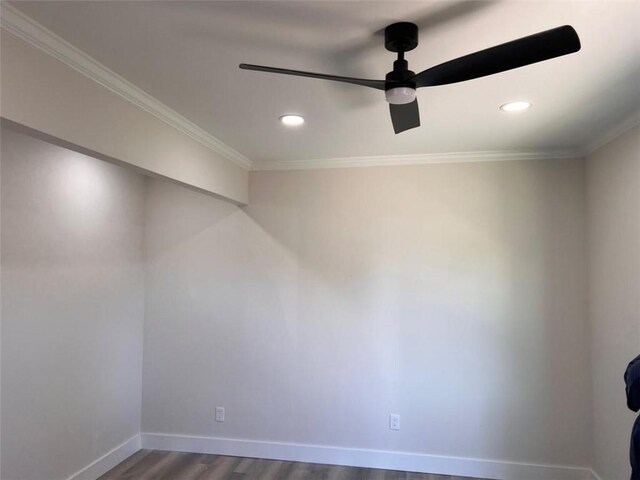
<point>72,308</point>
<point>613,188</point>
<point>454,295</point>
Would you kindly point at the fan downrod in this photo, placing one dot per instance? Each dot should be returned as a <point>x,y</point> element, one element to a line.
<point>401,37</point>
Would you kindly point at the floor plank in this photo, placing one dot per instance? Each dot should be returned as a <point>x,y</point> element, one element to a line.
<point>160,465</point>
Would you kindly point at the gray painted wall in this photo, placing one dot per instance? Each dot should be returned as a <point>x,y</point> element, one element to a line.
<point>72,308</point>
<point>454,295</point>
<point>613,189</point>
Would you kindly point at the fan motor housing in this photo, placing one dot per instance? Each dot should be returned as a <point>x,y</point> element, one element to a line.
<point>401,37</point>
<point>400,77</point>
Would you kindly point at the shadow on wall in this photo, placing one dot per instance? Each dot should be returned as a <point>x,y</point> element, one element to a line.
<point>186,224</point>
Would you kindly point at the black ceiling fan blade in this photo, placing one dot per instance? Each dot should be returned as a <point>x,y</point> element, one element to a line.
<point>377,84</point>
<point>517,53</point>
<point>404,117</point>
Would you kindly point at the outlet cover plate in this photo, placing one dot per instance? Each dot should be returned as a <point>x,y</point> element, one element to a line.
<point>219,414</point>
<point>394,421</point>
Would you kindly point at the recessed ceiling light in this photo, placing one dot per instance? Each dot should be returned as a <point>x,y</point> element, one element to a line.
<point>292,120</point>
<point>515,106</point>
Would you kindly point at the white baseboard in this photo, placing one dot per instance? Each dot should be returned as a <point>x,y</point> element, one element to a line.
<point>413,462</point>
<point>109,460</point>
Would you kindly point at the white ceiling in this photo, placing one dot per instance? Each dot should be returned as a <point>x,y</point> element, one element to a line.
<point>186,54</point>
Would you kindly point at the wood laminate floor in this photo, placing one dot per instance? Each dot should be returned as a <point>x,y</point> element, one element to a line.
<point>160,465</point>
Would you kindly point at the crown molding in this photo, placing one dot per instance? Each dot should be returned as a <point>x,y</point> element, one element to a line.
<point>614,132</point>
<point>426,158</point>
<point>25,28</point>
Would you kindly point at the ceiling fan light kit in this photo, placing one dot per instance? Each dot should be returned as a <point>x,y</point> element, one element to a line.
<point>400,95</point>
<point>400,84</point>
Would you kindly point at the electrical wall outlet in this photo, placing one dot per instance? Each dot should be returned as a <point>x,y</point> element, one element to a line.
<point>394,421</point>
<point>219,414</point>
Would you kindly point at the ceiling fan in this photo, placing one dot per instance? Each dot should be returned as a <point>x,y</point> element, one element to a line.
<point>401,83</point>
